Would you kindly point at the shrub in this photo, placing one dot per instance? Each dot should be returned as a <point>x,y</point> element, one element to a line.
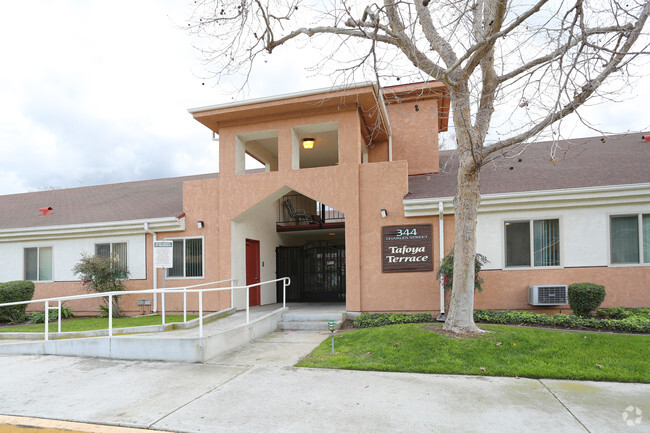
<point>613,313</point>
<point>15,291</point>
<point>381,319</point>
<point>102,275</point>
<point>39,316</point>
<point>620,313</point>
<point>585,297</point>
<point>633,323</point>
<point>446,271</point>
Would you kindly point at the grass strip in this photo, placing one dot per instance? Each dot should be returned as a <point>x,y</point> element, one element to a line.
<point>504,351</point>
<point>79,324</point>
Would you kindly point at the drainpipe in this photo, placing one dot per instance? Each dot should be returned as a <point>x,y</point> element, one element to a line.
<point>441,229</point>
<point>389,129</point>
<point>154,238</point>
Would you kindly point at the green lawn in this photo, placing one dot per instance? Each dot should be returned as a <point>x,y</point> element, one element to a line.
<point>92,323</point>
<point>505,351</point>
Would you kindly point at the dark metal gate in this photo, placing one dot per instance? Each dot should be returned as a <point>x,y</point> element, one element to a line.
<point>317,272</point>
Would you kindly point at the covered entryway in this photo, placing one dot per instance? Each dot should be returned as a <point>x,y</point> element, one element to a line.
<point>317,272</point>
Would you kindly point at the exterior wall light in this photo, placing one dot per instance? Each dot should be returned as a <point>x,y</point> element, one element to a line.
<point>384,214</point>
<point>308,143</point>
<point>200,224</point>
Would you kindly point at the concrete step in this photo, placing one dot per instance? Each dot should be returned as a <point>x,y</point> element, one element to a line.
<point>302,325</point>
<point>305,317</point>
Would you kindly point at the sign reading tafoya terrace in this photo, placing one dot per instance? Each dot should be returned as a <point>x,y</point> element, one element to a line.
<point>406,248</point>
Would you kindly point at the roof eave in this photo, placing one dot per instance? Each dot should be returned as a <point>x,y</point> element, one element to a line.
<point>534,200</point>
<point>111,228</point>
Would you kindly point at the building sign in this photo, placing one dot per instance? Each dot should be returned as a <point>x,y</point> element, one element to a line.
<point>407,248</point>
<point>163,254</point>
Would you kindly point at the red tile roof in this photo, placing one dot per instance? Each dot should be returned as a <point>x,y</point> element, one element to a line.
<point>146,199</point>
<point>585,162</point>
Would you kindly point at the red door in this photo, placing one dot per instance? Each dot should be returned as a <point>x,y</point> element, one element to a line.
<point>253,270</point>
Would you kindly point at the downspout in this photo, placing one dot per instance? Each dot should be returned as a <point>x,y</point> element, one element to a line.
<point>154,238</point>
<point>389,129</point>
<point>441,230</point>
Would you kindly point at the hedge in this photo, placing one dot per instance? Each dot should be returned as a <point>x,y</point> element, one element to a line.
<point>635,320</point>
<point>15,291</point>
<point>633,323</point>
<point>622,312</point>
<point>381,319</point>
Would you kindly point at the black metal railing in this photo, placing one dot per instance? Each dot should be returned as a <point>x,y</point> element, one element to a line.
<point>297,209</point>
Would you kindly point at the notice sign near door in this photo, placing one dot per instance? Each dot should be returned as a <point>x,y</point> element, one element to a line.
<point>407,248</point>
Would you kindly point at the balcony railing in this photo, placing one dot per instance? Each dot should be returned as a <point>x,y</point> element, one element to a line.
<point>299,210</point>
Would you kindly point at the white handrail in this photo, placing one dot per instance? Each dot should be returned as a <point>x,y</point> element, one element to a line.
<point>191,289</point>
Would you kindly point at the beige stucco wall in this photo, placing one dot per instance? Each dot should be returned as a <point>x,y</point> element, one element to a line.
<point>415,134</point>
<point>625,286</point>
<point>383,186</point>
<point>240,195</point>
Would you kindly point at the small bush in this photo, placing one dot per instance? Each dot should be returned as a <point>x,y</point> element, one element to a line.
<point>381,319</point>
<point>15,291</point>
<point>446,271</point>
<point>585,297</point>
<point>101,275</point>
<point>39,316</point>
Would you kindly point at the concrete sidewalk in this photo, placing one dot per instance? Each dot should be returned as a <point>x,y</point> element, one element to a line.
<point>255,389</point>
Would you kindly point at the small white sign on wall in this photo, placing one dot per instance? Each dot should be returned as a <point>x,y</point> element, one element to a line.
<point>163,256</point>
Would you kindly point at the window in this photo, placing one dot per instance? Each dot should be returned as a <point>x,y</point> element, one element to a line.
<point>38,264</point>
<point>116,250</point>
<point>188,258</point>
<point>629,239</point>
<point>533,243</point>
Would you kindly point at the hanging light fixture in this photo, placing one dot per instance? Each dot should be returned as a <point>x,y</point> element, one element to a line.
<point>308,143</point>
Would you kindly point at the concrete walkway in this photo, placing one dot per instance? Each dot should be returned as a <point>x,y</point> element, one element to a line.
<point>255,389</point>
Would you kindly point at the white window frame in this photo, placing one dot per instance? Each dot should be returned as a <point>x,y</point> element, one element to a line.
<point>639,216</point>
<point>202,259</point>
<point>531,234</point>
<point>38,263</point>
<point>110,253</point>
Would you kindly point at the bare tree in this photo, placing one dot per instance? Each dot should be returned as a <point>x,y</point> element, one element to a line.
<point>537,61</point>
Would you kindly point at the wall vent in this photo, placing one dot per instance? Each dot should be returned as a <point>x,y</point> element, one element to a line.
<point>548,295</point>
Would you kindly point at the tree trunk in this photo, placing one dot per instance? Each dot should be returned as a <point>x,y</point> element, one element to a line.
<point>461,312</point>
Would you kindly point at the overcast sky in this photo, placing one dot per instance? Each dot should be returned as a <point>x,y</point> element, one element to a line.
<point>97,92</point>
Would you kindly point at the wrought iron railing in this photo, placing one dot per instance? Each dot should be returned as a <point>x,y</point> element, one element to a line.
<point>297,209</point>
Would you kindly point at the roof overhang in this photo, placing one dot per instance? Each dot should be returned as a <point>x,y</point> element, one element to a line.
<point>363,97</point>
<point>536,200</point>
<point>422,91</point>
<point>112,228</point>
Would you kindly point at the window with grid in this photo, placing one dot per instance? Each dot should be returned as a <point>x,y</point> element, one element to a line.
<point>38,264</point>
<point>629,239</point>
<point>187,258</point>
<point>533,243</point>
<point>116,250</point>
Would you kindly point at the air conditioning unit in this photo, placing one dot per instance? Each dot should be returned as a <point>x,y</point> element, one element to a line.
<point>548,295</point>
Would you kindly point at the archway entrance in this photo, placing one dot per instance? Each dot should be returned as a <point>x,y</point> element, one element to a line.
<point>317,272</point>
